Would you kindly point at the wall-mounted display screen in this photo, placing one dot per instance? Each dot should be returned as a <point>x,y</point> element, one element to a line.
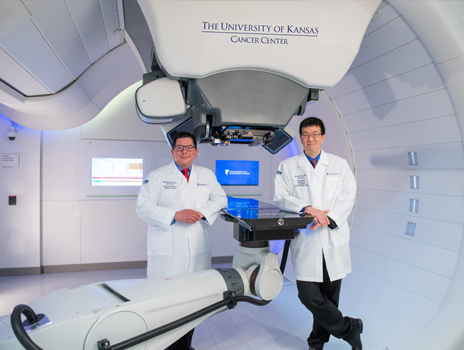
<point>117,172</point>
<point>237,172</point>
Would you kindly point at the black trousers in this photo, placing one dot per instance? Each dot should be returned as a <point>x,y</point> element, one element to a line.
<point>322,300</point>
<point>183,343</point>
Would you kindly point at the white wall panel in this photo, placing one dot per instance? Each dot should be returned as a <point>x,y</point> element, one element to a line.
<point>119,121</point>
<point>5,110</point>
<point>15,75</point>
<point>110,15</point>
<point>113,73</point>
<point>425,106</point>
<point>61,233</point>
<point>48,69</point>
<point>425,132</point>
<point>113,237</point>
<point>439,156</point>
<point>438,182</point>
<point>387,38</point>
<point>408,304</point>
<point>400,326</point>
<point>424,283</point>
<point>458,8</point>
<point>398,61</point>
<point>65,41</point>
<point>68,109</point>
<point>436,260</point>
<point>431,231</point>
<point>111,232</point>
<point>437,25</point>
<point>388,14</point>
<point>453,74</point>
<point>20,223</point>
<point>87,18</point>
<point>412,83</point>
<point>445,208</point>
<point>59,164</point>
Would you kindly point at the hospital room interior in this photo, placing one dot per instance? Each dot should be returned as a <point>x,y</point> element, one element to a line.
<point>70,75</point>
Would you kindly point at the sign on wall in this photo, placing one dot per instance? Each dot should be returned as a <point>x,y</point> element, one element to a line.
<point>10,161</point>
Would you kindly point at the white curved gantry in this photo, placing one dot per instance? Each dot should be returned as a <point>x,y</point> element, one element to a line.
<point>401,95</point>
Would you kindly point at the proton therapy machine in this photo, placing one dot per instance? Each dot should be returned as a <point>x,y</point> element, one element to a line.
<point>228,72</point>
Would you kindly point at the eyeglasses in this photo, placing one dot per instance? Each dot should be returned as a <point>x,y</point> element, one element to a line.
<point>180,148</point>
<point>313,135</point>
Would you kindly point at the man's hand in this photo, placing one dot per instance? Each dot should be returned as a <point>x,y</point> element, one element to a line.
<point>315,224</point>
<point>189,216</point>
<point>320,217</point>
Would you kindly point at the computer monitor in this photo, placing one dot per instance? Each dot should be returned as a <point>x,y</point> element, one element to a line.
<point>237,172</point>
<point>116,171</point>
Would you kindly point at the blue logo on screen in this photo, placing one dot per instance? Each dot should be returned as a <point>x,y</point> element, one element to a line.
<point>237,172</point>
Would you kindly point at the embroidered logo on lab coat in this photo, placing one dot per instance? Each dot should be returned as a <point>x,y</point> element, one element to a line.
<point>145,182</point>
<point>199,184</point>
<point>169,185</point>
<point>301,180</point>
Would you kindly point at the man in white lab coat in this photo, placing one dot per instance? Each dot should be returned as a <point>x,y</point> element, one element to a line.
<point>321,185</point>
<point>179,201</point>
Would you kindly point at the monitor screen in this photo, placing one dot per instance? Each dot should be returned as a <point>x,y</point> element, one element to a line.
<point>117,172</point>
<point>237,172</point>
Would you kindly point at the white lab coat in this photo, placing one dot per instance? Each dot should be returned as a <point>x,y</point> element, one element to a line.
<point>331,185</point>
<point>179,248</point>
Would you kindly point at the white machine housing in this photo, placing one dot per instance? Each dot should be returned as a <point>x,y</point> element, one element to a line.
<point>310,42</point>
<point>120,310</point>
<point>246,68</point>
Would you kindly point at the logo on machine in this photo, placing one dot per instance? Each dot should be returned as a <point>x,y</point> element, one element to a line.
<point>259,33</point>
<point>236,172</point>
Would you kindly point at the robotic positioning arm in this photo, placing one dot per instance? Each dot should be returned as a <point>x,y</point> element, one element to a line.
<point>140,314</point>
<point>145,314</point>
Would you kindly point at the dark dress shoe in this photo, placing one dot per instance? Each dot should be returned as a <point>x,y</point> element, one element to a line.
<point>356,343</point>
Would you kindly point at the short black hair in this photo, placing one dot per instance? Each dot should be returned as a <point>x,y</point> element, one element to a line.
<point>181,135</point>
<point>312,121</point>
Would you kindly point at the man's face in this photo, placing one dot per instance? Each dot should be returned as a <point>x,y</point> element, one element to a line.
<point>184,158</point>
<point>311,139</point>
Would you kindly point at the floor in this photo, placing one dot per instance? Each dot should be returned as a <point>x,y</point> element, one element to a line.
<point>282,324</point>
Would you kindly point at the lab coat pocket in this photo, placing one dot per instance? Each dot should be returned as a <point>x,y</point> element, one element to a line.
<point>159,241</point>
<point>332,185</point>
<point>201,196</point>
<point>199,241</point>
